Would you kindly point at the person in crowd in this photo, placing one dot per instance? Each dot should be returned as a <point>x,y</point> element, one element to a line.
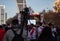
<point>15,33</point>
<point>54,31</point>
<point>9,25</point>
<point>5,27</point>
<point>58,33</point>
<point>28,32</point>
<point>32,33</point>
<point>40,28</point>
<point>46,34</point>
<point>2,33</point>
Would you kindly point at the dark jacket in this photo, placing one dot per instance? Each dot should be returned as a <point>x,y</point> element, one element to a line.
<point>46,35</point>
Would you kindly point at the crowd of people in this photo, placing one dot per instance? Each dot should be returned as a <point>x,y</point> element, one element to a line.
<point>47,32</point>
<point>16,32</point>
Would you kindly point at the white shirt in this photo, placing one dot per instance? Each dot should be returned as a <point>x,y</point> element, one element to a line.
<point>33,36</point>
<point>53,30</point>
<point>40,30</point>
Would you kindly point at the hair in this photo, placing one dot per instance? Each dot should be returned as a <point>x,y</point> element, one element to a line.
<point>0,26</point>
<point>40,23</point>
<point>50,24</point>
<point>32,25</point>
<point>4,25</point>
<point>15,21</point>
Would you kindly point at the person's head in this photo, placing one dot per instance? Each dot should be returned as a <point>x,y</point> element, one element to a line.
<point>4,25</point>
<point>15,23</point>
<point>0,26</point>
<point>31,26</point>
<point>40,23</point>
<point>50,25</point>
<point>8,24</point>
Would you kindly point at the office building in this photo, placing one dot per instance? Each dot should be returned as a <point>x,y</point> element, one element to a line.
<point>3,15</point>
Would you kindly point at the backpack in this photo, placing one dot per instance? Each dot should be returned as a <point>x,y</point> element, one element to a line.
<point>17,37</point>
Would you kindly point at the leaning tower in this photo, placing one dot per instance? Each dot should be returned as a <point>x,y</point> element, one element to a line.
<point>57,6</point>
<point>21,4</point>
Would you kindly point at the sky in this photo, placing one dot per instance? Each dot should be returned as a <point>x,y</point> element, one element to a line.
<point>36,5</point>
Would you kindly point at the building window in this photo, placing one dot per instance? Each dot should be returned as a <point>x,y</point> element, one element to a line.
<point>2,11</point>
<point>2,17</point>
<point>2,20</point>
